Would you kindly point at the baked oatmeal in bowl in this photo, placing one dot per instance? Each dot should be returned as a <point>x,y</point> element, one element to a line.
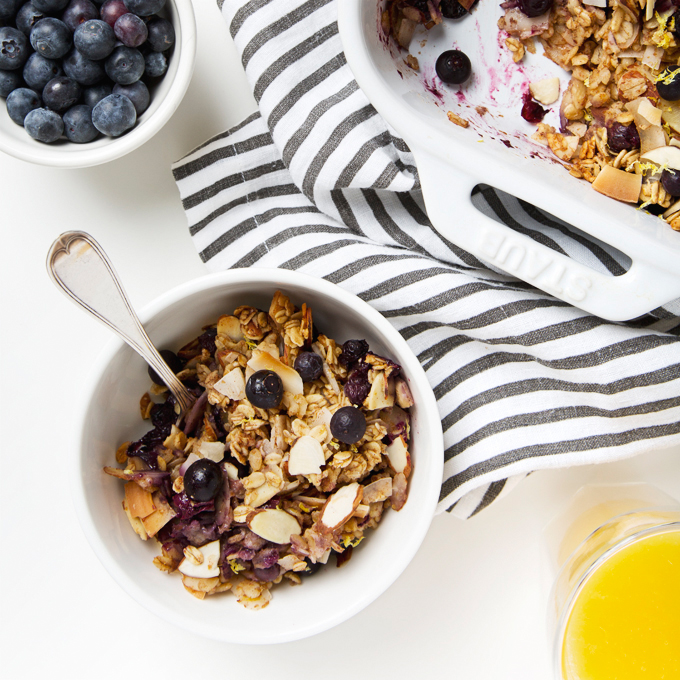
<point>314,437</point>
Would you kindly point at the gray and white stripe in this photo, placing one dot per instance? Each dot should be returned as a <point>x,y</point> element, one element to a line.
<point>317,182</point>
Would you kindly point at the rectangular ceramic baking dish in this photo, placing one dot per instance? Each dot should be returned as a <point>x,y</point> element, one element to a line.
<point>496,149</point>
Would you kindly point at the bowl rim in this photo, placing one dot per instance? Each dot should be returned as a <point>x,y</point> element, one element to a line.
<point>85,156</point>
<point>428,408</point>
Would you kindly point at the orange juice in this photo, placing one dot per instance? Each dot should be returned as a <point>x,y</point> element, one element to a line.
<point>625,620</point>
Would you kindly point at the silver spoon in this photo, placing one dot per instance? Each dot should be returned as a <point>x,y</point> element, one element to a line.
<point>78,265</point>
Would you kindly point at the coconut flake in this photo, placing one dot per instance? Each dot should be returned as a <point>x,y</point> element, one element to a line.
<point>212,450</point>
<point>306,457</point>
<point>275,525</point>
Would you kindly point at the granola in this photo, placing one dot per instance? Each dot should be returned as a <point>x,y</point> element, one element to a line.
<point>620,54</point>
<point>242,494</point>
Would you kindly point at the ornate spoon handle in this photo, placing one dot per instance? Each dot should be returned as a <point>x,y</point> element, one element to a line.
<point>78,265</point>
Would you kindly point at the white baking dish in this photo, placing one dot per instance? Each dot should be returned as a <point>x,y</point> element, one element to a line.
<point>451,160</point>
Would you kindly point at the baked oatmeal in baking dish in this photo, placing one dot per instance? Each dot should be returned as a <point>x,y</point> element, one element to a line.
<point>295,447</point>
<point>619,113</point>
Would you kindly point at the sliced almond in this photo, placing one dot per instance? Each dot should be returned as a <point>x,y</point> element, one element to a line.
<point>323,417</point>
<point>381,394</point>
<point>212,450</point>
<point>361,511</point>
<point>672,210</point>
<point>208,568</point>
<point>341,505</point>
<point>399,492</point>
<point>138,501</point>
<point>577,129</point>
<point>665,156</point>
<point>262,361</point>
<point>275,525</point>
<point>232,385</point>
<point>163,513</point>
<point>618,184</point>
<point>546,91</point>
<point>398,456</point>
<point>377,491</point>
<point>306,457</point>
<point>402,393</point>
<point>230,327</point>
<point>259,496</point>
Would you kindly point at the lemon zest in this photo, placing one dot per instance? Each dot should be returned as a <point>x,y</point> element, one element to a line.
<point>236,567</point>
<point>662,36</point>
<point>251,344</point>
<point>353,542</point>
<point>304,508</point>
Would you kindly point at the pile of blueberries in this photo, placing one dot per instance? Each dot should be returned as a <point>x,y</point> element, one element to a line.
<point>78,68</point>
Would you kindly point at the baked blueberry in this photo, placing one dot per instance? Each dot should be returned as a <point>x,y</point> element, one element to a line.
<point>264,389</point>
<point>534,8</point>
<point>622,137</point>
<point>668,84</point>
<point>172,360</point>
<point>309,365</point>
<point>670,181</point>
<point>453,67</point>
<point>202,480</point>
<point>348,424</point>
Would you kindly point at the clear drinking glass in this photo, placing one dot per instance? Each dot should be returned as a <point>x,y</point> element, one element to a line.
<point>616,553</point>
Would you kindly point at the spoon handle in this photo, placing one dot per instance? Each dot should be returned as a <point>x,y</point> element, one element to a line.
<point>78,265</point>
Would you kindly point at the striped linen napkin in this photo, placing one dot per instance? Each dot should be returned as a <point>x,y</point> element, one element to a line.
<point>317,182</point>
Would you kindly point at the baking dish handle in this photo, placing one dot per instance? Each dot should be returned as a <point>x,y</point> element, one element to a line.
<point>447,195</point>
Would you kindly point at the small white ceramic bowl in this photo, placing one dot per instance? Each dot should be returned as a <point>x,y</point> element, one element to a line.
<point>166,96</point>
<point>110,416</point>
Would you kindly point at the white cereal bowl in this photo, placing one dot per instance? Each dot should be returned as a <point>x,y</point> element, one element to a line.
<point>110,416</point>
<point>166,96</point>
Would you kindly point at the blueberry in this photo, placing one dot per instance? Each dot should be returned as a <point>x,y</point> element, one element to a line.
<point>8,8</point>
<point>264,389</point>
<point>50,6</point>
<point>309,365</point>
<point>14,49</point>
<point>114,115</point>
<point>622,137</point>
<point>9,80</point>
<point>83,70</point>
<point>93,95</point>
<point>161,35</point>
<point>144,8</point>
<point>668,84</point>
<point>453,67</point>
<point>111,10</point>
<point>20,102</point>
<point>172,360</point>
<point>39,70</point>
<point>155,64</point>
<point>130,30</point>
<point>452,9</point>
<point>78,12</point>
<point>44,125</point>
<point>670,181</point>
<point>27,17</point>
<point>352,351</point>
<point>78,126</point>
<point>137,93</point>
<point>51,38</point>
<point>348,424</point>
<point>203,480</point>
<point>94,39</point>
<point>534,8</point>
<point>61,93</point>
<point>125,65</point>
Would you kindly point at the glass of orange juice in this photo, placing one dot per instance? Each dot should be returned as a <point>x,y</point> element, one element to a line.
<point>615,604</point>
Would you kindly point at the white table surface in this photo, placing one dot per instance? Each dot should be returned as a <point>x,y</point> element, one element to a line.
<point>472,604</point>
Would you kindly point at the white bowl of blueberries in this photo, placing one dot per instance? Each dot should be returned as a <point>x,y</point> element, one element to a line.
<point>87,81</point>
